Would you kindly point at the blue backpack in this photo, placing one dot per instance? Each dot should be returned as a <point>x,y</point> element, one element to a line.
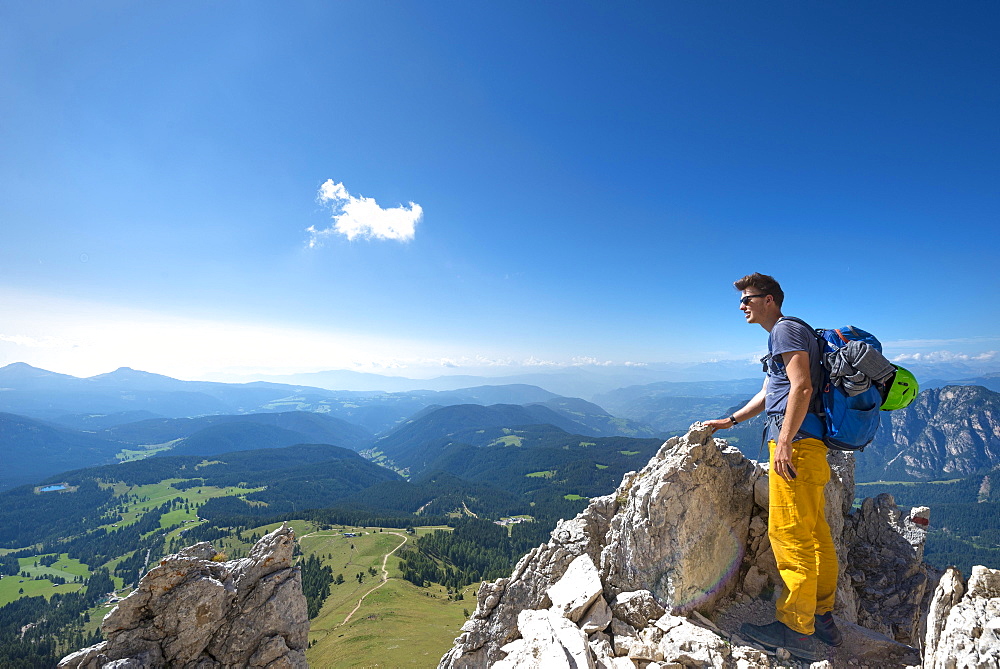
<point>843,423</point>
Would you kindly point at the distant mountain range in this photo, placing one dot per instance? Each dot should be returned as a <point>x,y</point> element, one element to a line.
<point>946,433</point>
<point>52,422</point>
<point>127,395</point>
<point>590,381</point>
<point>990,381</point>
<point>38,393</point>
<point>308,428</point>
<point>418,442</point>
<point>34,449</point>
<point>582,381</point>
<point>671,406</point>
<point>65,422</point>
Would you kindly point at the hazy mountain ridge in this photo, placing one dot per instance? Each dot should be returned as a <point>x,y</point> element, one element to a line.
<point>410,445</point>
<point>591,382</point>
<point>578,380</point>
<point>46,395</point>
<point>99,408</point>
<point>597,420</point>
<point>313,427</point>
<point>33,449</point>
<point>990,381</point>
<point>81,403</point>
<point>639,411</point>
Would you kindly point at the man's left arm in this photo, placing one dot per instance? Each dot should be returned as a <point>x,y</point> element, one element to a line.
<point>799,396</point>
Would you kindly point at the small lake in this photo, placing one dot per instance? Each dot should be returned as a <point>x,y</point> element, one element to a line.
<point>52,488</point>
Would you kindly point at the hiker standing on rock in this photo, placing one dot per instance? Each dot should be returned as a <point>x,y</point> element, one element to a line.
<point>797,527</point>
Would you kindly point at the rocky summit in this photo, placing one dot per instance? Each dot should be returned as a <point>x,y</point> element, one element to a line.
<point>192,610</point>
<point>663,572</point>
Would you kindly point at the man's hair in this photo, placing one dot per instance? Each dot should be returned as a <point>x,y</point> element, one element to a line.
<point>767,285</point>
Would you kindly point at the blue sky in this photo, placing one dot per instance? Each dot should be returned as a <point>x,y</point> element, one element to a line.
<point>590,178</point>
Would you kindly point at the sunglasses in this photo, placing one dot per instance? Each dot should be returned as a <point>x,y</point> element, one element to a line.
<point>745,300</point>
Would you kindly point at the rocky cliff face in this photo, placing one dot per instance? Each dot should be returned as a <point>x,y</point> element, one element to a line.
<point>963,624</point>
<point>663,572</point>
<point>191,611</point>
<point>952,431</point>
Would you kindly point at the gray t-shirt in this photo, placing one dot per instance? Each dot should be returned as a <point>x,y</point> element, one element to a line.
<point>787,336</point>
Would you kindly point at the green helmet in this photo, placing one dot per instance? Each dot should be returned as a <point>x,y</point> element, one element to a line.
<point>903,389</point>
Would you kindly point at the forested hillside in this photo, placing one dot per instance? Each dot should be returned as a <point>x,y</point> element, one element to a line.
<point>33,449</point>
<point>965,517</point>
<point>309,428</point>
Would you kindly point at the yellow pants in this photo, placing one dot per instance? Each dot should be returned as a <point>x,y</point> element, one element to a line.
<point>800,536</point>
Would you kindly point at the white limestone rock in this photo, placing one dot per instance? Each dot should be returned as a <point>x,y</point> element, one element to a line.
<point>577,590</point>
<point>600,645</point>
<point>682,532</point>
<point>550,641</point>
<point>963,627</point>
<point>494,623</point>
<point>192,611</point>
<point>689,645</point>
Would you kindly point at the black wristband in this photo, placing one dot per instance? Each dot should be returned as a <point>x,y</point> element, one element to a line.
<point>733,419</point>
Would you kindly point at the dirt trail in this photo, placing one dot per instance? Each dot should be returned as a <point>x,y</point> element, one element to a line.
<point>385,578</point>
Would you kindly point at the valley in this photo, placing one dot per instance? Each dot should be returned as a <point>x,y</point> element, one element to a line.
<point>420,482</point>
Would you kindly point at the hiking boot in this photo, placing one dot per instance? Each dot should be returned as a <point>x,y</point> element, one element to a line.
<point>778,635</point>
<point>826,630</point>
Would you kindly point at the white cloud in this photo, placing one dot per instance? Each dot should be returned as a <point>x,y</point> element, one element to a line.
<point>535,362</point>
<point>33,342</point>
<point>359,216</point>
<point>946,356</point>
<point>585,360</point>
<point>941,344</point>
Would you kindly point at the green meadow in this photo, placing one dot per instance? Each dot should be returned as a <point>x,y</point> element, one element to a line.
<point>144,451</point>
<point>66,567</point>
<point>153,495</point>
<point>396,624</point>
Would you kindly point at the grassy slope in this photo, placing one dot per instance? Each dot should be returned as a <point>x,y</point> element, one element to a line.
<point>397,625</point>
<point>153,495</point>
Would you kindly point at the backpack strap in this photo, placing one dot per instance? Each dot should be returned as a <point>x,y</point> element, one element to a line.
<point>817,396</point>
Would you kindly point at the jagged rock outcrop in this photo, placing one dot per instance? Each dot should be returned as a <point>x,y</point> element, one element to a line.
<point>952,430</point>
<point>191,611</point>
<point>963,623</point>
<point>891,584</point>
<point>682,557</point>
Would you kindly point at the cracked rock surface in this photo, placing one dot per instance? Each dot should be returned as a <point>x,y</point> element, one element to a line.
<point>191,611</point>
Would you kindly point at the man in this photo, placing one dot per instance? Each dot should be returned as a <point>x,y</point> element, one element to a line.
<point>797,527</point>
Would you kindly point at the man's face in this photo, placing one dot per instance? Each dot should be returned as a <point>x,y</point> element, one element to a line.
<point>753,304</point>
